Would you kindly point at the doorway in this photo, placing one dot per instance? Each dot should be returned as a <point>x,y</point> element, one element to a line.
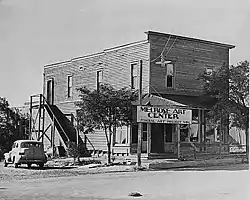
<point>157,138</point>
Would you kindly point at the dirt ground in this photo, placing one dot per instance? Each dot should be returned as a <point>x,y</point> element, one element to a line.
<point>10,173</point>
<point>174,185</point>
<point>64,168</point>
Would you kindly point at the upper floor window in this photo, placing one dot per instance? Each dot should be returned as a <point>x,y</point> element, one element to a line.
<point>50,91</point>
<point>99,78</point>
<point>70,86</point>
<point>169,79</point>
<point>134,76</point>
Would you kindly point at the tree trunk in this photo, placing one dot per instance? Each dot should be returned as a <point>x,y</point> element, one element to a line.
<point>109,152</point>
<point>247,141</point>
<point>109,145</point>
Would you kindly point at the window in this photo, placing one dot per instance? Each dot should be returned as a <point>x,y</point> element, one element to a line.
<point>144,132</point>
<point>134,76</point>
<point>169,82</point>
<point>194,127</point>
<point>30,144</point>
<point>121,135</point>
<point>70,84</point>
<point>50,91</point>
<point>184,129</point>
<point>99,78</point>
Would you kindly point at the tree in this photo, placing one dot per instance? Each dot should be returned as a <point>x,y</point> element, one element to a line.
<point>12,125</point>
<point>230,86</point>
<point>105,109</point>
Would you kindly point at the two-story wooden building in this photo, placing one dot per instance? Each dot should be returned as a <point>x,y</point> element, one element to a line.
<point>171,65</point>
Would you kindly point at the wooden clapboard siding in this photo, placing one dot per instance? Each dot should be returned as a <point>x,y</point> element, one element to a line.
<point>68,107</point>
<point>116,66</point>
<point>190,58</point>
<point>97,139</point>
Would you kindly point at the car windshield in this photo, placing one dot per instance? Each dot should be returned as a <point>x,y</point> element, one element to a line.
<point>30,144</point>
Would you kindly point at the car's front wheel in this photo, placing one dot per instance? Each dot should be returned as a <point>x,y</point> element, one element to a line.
<point>41,165</point>
<point>5,164</point>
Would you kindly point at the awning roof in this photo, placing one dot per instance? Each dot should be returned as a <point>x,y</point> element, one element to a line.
<point>202,102</point>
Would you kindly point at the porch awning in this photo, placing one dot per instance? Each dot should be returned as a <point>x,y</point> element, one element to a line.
<point>202,102</point>
<point>154,100</point>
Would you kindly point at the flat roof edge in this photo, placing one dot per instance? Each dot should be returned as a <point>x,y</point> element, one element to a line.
<point>229,46</point>
<point>98,53</point>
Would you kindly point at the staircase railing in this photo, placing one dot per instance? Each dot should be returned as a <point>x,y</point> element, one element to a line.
<point>54,117</point>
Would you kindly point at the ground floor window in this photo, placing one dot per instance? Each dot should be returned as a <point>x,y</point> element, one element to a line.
<point>121,135</point>
<point>144,131</point>
<point>212,133</point>
<point>184,132</point>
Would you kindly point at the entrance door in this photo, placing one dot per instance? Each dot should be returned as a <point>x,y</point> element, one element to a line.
<point>157,138</point>
<point>50,91</point>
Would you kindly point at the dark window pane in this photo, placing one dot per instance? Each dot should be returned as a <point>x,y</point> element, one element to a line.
<point>169,81</point>
<point>169,129</point>
<point>134,133</point>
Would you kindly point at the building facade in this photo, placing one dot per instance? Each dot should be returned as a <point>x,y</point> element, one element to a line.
<point>171,66</point>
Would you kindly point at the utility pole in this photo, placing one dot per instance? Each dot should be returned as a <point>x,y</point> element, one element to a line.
<point>139,124</point>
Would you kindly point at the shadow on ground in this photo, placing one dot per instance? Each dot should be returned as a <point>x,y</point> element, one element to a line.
<point>47,167</point>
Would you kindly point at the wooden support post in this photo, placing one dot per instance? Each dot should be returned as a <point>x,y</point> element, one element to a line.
<point>139,124</point>
<point>30,124</point>
<point>53,136</point>
<point>203,125</point>
<point>43,121</point>
<point>200,127</point>
<point>149,139</point>
<point>39,115</point>
<point>178,141</point>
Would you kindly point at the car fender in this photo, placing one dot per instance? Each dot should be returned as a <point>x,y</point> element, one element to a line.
<point>7,157</point>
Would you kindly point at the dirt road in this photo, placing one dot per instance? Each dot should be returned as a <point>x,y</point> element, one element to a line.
<point>174,185</point>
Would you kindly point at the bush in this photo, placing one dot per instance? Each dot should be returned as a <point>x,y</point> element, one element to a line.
<point>75,151</point>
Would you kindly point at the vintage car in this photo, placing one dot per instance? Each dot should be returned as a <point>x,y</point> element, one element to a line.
<point>26,152</point>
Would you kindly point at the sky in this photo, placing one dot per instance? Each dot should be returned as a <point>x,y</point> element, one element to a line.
<point>34,33</point>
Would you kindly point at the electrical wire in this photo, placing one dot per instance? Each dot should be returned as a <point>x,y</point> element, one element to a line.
<point>171,46</point>
<point>166,45</point>
<point>162,50</point>
<point>161,55</point>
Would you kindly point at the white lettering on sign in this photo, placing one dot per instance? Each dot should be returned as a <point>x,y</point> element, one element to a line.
<point>148,114</point>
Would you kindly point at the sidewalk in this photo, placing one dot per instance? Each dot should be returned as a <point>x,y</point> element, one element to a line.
<point>165,164</point>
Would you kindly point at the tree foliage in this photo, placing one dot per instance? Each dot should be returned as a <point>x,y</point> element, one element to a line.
<point>12,125</point>
<point>230,85</point>
<point>105,109</point>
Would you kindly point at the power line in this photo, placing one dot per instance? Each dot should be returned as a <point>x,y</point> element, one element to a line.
<point>171,46</point>
<point>166,45</point>
<point>163,49</point>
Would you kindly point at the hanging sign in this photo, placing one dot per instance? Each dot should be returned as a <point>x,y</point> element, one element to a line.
<point>148,114</point>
